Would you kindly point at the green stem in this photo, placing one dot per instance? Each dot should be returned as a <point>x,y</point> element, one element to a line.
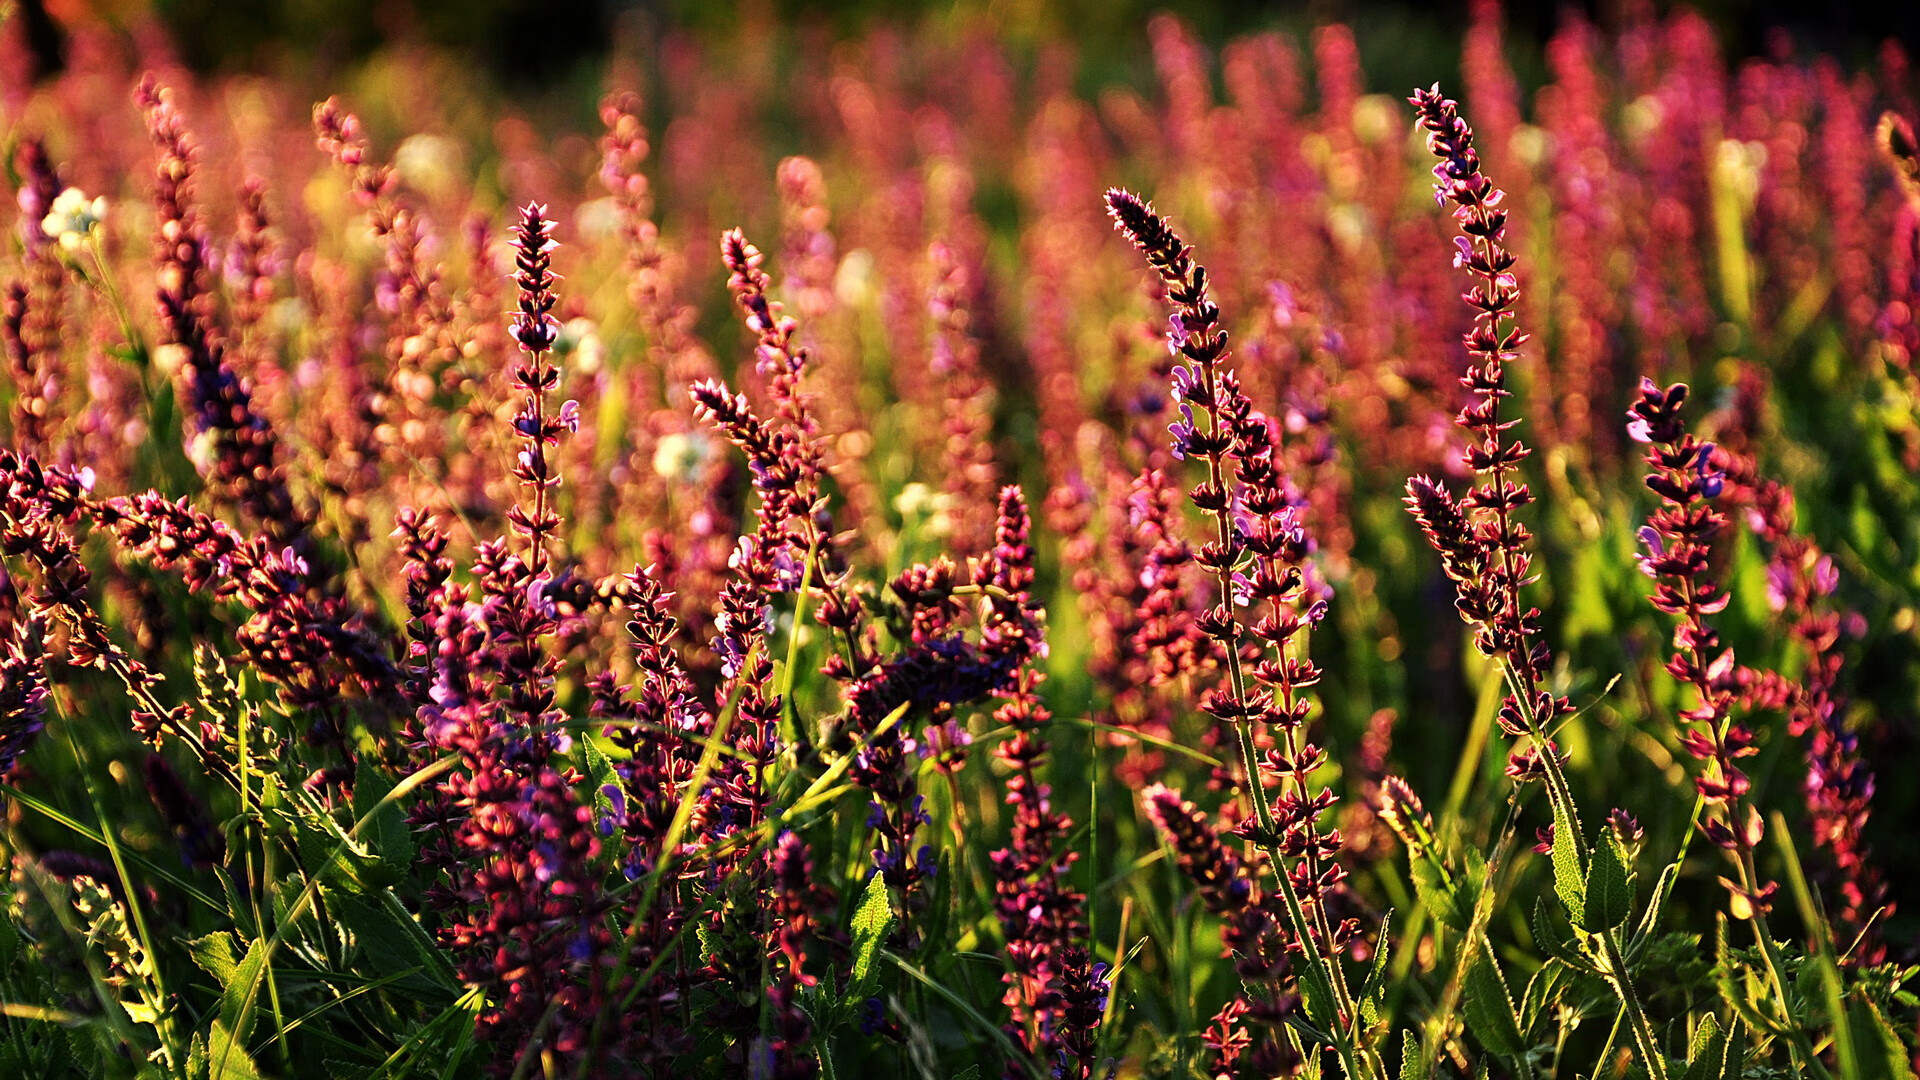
<point>162,1022</point>
<point>1804,1059</point>
<point>1325,969</point>
<point>1561,795</point>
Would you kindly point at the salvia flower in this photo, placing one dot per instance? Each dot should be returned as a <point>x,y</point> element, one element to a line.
<point>1839,786</point>
<point>1483,544</point>
<point>1257,536</point>
<point>241,451</point>
<point>23,691</point>
<point>1041,914</point>
<point>1680,535</point>
<point>1252,931</point>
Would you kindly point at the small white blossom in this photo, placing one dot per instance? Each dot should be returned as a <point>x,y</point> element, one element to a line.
<point>680,456</point>
<point>579,341</point>
<point>73,218</point>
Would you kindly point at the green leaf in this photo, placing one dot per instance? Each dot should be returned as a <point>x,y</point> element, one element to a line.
<point>1609,898</point>
<point>317,838</point>
<point>1375,988</point>
<point>238,1002</point>
<point>1543,990</point>
<point>1569,880</point>
<point>386,834</point>
<point>1317,996</point>
<point>1707,1054</point>
<point>871,925</point>
<point>1410,1064</point>
<point>1878,1048</point>
<point>1488,1008</point>
<point>217,955</point>
<point>1736,1066</point>
<point>389,942</point>
<point>226,1058</point>
<point>1554,935</point>
<point>197,1062</point>
<point>1438,892</point>
<point>238,909</point>
<point>1650,919</point>
<point>600,773</point>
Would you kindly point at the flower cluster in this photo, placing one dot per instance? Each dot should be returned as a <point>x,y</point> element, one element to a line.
<point>1679,540</point>
<point>1481,539</point>
<point>1252,932</point>
<point>884,764</point>
<point>1839,786</point>
<point>1042,915</point>
<point>1258,559</point>
<point>243,454</point>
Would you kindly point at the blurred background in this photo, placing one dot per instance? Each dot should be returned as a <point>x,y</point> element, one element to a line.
<point>542,47</point>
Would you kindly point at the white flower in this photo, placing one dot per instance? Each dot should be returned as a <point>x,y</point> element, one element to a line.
<point>579,341</point>
<point>680,456</point>
<point>73,218</point>
<point>921,504</point>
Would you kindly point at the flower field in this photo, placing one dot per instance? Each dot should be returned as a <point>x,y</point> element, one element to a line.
<point>894,553</point>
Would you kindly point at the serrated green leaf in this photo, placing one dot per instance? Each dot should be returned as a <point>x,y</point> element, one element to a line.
<point>1375,988</point>
<point>872,922</point>
<point>1609,887</point>
<point>238,909</point>
<point>1487,1008</point>
<point>355,869</point>
<point>1438,891</point>
<point>1554,935</point>
<point>1650,919</point>
<point>385,835</point>
<point>1410,1064</point>
<point>390,942</point>
<point>1878,1049</point>
<point>226,1058</point>
<point>600,773</point>
<point>238,1002</point>
<point>1543,990</point>
<point>1316,996</point>
<point>1736,1052</point>
<point>217,955</point>
<point>197,1062</point>
<point>1569,879</point>
<point>1707,1053</point>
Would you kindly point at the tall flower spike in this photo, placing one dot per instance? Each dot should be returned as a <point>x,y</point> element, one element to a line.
<point>1258,558</point>
<point>1482,542</point>
<point>1839,788</point>
<point>241,461</point>
<point>535,328</point>
<point>1688,476</point>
